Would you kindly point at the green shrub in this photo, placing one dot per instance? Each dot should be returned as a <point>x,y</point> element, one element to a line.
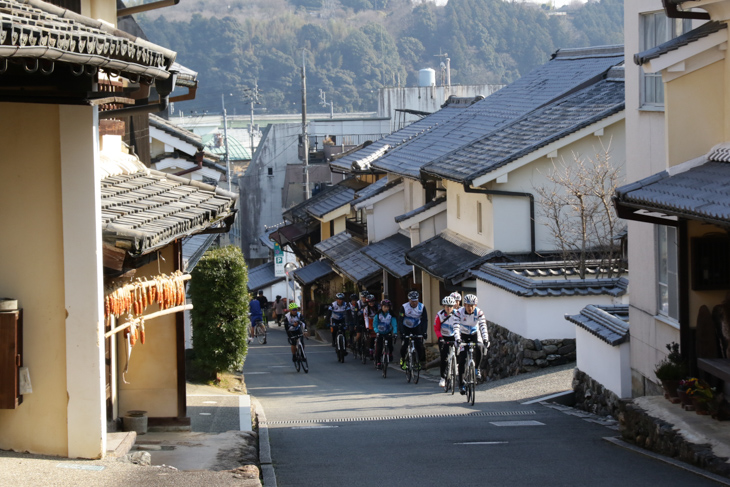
<point>672,367</point>
<point>219,293</point>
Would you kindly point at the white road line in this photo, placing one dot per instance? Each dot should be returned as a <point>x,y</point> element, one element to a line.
<point>482,443</point>
<point>517,423</point>
<point>312,427</point>
<point>255,373</point>
<point>282,387</point>
<point>205,414</point>
<point>210,402</point>
<point>244,413</point>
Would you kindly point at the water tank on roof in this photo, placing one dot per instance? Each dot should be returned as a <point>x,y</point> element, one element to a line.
<point>427,77</point>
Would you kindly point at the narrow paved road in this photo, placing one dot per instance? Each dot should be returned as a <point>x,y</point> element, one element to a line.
<point>344,425</point>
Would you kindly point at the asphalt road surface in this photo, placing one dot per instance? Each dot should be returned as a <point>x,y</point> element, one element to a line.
<point>344,425</point>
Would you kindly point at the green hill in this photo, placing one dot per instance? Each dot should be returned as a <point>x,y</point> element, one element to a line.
<point>355,47</point>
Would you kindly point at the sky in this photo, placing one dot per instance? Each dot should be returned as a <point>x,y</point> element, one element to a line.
<point>558,3</point>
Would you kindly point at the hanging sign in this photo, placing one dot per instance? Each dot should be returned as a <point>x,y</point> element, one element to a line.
<point>278,261</point>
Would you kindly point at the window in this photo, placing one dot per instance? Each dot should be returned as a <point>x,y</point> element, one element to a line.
<point>667,270</point>
<point>270,171</point>
<point>657,29</point>
<point>479,217</point>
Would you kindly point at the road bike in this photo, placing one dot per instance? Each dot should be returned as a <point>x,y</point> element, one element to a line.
<point>452,369</point>
<point>340,343</point>
<point>364,345</point>
<point>385,357</point>
<point>259,331</point>
<point>470,376</point>
<point>300,358</point>
<point>413,364</point>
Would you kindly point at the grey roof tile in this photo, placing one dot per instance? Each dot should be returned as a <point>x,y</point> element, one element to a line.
<point>701,192</point>
<point>179,132</point>
<point>609,323</point>
<point>358,268</point>
<point>338,246</point>
<point>685,39</point>
<point>193,249</point>
<point>313,272</point>
<point>390,253</point>
<point>338,197</point>
<point>420,209</point>
<point>527,287</point>
<point>375,189</point>
<point>531,132</point>
<point>570,69</point>
<point>262,276</point>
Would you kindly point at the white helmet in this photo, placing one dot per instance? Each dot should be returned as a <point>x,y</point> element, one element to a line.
<point>470,299</point>
<point>456,296</point>
<point>448,301</point>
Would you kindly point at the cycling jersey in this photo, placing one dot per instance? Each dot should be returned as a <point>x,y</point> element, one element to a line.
<point>473,323</point>
<point>447,324</point>
<point>294,323</point>
<point>254,307</point>
<point>369,315</point>
<point>384,323</point>
<point>412,316</point>
<point>338,311</point>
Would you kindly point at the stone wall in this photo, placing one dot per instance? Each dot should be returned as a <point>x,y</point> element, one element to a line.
<point>591,396</point>
<point>511,354</point>
<point>656,435</point>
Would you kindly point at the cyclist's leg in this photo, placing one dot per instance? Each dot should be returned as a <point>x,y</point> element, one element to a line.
<point>420,349</point>
<point>378,349</point>
<point>390,347</point>
<point>444,355</point>
<point>404,344</point>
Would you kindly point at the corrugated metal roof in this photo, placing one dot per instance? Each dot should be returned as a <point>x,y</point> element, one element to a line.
<point>262,276</point>
<point>390,254</point>
<point>313,272</point>
<point>685,39</point>
<point>609,323</point>
<point>526,287</point>
<point>701,192</point>
<point>237,150</point>
<point>531,132</point>
<point>570,69</point>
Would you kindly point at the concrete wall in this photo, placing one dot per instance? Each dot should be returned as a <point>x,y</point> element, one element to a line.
<point>607,364</point>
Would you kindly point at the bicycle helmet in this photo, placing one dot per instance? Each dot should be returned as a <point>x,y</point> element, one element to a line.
<point>293,305</point>
<point>353,297</point>
<point>456,296</point>
<point>470,299</point>
<point>371,298</point>
<point>413,296</point>
<point>340,296</point>
<point>386,302</point>
<point>448,301</point>
<point>364,294</point>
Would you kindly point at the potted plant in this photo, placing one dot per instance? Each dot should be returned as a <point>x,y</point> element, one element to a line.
<point>685,398</point>
<point>702,396</point>
<point>671,371</point>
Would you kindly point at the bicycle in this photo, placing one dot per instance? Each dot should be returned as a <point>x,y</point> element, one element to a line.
<point>385,358</point>
<point>340,344</point>
<point>259,331</point>
<point>413,364</point>
<point>364,345</point>
<point>300,358</point>
<point>470,376</point>
<point>452,369</point>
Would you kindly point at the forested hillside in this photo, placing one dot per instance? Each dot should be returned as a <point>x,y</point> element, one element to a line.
<point>355,47</point>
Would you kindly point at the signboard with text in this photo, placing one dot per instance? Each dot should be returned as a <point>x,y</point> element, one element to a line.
<point>278,261</point>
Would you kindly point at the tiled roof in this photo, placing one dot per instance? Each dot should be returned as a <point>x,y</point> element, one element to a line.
<point>43,31</point>
<point>374,189</point>
<point>193,249</point>
<point>358,268</point>
<point>289,233</point>
<point>179,132</point>
<point>526,287</point>
<point>447,255</point>
<point>262,276</point>
<point>338,247</point>
<point>311,273</point>
<point>696,190</point>
<point>372,152</point>
<point>420,209</point>
<point>390,254</point>
<point>531,132</point>
<point>570,69</point>
<point>149,209</point>
<point>237,151</point>
<point>553,268</point>
<point>672,45</point>
<point>609,323</point>
<point>337,197</point>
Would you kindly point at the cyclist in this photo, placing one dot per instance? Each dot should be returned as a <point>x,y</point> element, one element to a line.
<point>280,308</point>
<point>336,315</point>
<point>295,327</point>
<point>262,299</point>
<point>368,317</point>
<point>447,328</point>
<point>254,309</point>
<point>353,320</point>
<point>457,298</point>
<point>363,301</point>
<point>473,328</point>
<point>413,321</point>
<point>385,325</point>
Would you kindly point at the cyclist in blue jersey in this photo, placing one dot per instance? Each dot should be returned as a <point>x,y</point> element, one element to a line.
<point>385,325</point>
<point>413,321</point>
<point>254,310</point>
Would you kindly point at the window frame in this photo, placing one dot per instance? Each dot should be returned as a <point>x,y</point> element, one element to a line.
<point>667,276</point>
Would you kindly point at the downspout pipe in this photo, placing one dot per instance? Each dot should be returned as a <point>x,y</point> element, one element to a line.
<point>494,192</point>
<point>673,12</point>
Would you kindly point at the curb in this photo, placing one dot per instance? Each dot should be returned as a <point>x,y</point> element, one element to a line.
<point>267,469</point>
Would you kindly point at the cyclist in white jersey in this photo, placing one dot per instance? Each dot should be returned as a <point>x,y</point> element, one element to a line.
<point>295,327</point>
<point>447,328</point>
<point>337,315</point>
<point>473,329</point>
<point>413,321</point>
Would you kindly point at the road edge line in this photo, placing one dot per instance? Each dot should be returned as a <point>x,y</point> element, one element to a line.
<point>267,468</point>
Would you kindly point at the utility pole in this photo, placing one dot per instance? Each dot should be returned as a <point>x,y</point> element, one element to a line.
<point>225,140</point>
<point>323,102</point>
<point>305,139</point>
<point>253,98</point>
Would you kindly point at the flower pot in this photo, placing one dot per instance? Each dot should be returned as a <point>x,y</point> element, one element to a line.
<point>135,421</point>
<point>670,389</point>
<point>701,406</point>
<point>684,397</point>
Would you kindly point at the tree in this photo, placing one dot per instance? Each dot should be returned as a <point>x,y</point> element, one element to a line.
<point>219,291</point>
<point>578,211</point>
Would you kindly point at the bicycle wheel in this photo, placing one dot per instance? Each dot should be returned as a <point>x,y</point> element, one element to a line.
<point>454,375</point>
<point>298,358</point>
<point>261,333</point>
<point>341,349</point>
<point>305,364</point>
<point>416,367</point>
<point>471,381</point>
<point>409,366</point>
<point>385,360</point>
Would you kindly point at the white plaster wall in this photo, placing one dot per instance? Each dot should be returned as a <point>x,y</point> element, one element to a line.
<point>384,213</point>
<point>534,317</point>
<point>605,363</point>
<point>430,227</point>
<point>463,219</point>
<point>344,128</point>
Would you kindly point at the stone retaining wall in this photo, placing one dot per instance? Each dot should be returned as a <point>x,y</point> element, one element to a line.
<point>511,354</point>
<point>591,396</point>
<point>656,435</point>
